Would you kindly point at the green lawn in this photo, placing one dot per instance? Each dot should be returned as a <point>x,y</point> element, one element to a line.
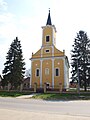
<point>63,96</point>
<point>49,96</point>
<point>12,94</point>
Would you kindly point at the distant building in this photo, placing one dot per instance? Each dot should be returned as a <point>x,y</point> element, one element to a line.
<point>26,83</point>
<point>49,65</point>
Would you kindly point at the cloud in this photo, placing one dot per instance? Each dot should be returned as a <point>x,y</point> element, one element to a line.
<point>6,17</point>
<point>3,5</point>
<point>7,22</point>
<point>7,30</point>
<point>27,30</point>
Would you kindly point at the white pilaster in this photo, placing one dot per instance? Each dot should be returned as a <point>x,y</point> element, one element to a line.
<point>65,74</point>
<point>31,76</point>
<point>52,37</point>
<point>40,73</point>
<point>53,73</point>
<point>53,43</point>
<point>52,59</point>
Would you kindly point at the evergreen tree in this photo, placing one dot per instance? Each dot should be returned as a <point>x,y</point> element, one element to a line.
<point>14,67</point>
<point>80,59</point>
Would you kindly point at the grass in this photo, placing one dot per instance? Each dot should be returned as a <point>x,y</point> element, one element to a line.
<point>49,96</point>
<point>62,96</point>
<point>12,94</point>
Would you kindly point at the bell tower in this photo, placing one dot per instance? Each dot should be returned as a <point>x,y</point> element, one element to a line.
<point>48,33</point>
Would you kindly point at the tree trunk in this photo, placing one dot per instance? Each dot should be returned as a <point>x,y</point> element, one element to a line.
<point>85,85</point>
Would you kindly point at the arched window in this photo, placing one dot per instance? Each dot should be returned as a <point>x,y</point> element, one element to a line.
<point>46,71</point>
<point>57,72</point>
<point>37,72</point>
<point>47,38</point>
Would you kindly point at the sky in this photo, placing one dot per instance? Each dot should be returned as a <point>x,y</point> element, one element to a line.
<point>24,19</point>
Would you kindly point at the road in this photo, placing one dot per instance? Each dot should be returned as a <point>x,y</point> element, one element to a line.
<point>70,108</point>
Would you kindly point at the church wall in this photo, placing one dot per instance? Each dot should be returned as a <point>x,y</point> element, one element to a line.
<point>47,31</point>
<point>47,78</point>
<point>37,54</point>
<point>47,54</point>
<point>54,37</point>
<point>58,63</point>
<point>58,52</point>
<point>35,65</point>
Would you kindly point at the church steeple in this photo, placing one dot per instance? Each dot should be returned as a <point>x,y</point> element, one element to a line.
<point>49,19</point>
<point>48,33</point>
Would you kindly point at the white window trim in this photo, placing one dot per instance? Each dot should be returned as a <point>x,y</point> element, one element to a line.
<point>36,72</point>
<point>55,72</point>
<point>49,38</point>
<point>46,71</point>
<point>47,49</point>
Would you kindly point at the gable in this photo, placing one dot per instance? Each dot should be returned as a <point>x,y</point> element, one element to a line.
<point>37,54</point>
<point>58,52</point>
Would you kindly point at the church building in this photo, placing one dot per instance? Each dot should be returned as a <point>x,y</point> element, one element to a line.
<point>49,65</point>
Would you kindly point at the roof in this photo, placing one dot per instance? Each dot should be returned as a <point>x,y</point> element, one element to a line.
<point>49,19</point>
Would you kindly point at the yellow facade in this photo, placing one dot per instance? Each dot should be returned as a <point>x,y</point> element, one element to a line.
<point>47,31</point>
<point>49,65</point>
<point>59,79</point>
<point>35,64</point>
<point>47,78</point>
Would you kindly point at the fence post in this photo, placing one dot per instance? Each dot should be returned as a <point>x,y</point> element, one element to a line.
<point>45,87</point>
<point>35,87</point>
<point>21,87</point>
<point>60,87</point>
<point>9,86</point>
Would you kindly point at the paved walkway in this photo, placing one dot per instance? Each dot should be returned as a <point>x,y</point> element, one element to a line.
<point>25,96</point>
<point>6,114</point>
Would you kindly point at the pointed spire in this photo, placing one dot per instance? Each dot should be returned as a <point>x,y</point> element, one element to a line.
<point>49,19</point>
